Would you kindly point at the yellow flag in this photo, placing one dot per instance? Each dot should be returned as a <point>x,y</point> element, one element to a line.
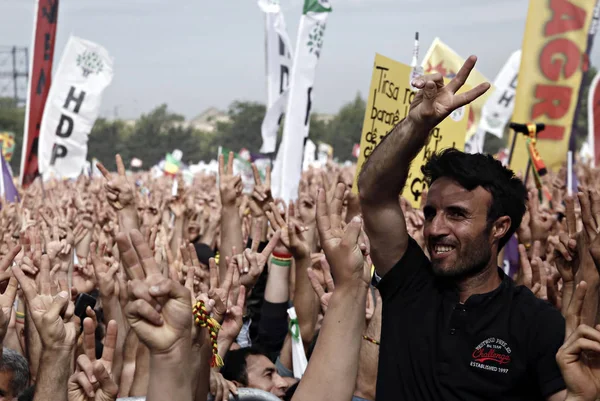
<point>389,101</point>
<point>552,65</point>
<point>441,58</point>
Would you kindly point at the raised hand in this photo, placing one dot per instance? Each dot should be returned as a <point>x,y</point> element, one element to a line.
<point>93,379</point>
<point>160,308</point>
<point>118,189</point>
<point>230,186</point>
<point>252,264</point>
<point>7,299</point>
<point>291,231</point>
<point>590,216</point>
<point>344,253</point>
<point>435,101</point>
<point>105,270</point>
<point>540,223</point>
<point>232,323</point>
<point>261,195</point>
<point>51,314</point>
<point>219,292</point>
<point>323,290</point>
<point>578,357</point>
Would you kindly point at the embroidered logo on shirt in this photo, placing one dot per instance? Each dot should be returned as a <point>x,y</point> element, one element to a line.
<point>493,355</point>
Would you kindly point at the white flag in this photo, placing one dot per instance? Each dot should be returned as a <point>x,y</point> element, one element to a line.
<point>85,70</point>
<point>500,105</point>
<point>279,66</point>
<point>288,165</point>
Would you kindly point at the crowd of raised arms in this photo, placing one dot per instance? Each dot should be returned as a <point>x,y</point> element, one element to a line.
<point>393,302</point>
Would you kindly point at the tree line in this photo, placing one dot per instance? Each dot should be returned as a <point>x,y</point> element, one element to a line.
<point>162,130</point>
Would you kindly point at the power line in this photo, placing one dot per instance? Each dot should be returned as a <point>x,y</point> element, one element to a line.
<point>14,73</point>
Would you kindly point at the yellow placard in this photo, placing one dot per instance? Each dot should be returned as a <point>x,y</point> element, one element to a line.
<point>552,65</point>
<point>442,59</point>
<point>389,101</point>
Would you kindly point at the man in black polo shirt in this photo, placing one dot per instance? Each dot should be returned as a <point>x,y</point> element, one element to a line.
<point>455,327</point>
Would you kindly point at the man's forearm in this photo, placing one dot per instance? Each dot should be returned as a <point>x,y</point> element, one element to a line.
<point>201,371</point>
<point>231,235</point>
<point>306,301</point>
<point>170,377</point>
<point>277,290</point>
<point>384,173</point>
<point>128,219</point>
<point>55,369</point>
<point>340,340</point>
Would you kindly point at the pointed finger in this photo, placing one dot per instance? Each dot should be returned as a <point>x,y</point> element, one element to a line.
<point>8,260</point>
<point>213,273</point>
<point>89,338</point>
<point>462,75</point>
<point>110,342</point>
<point>103,170</point>
<point>145,255</point>
<point>256,174</point>
<point>120,165</point>
<point>573,316</point>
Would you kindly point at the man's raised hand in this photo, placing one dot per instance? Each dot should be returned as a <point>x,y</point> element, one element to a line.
<point>92,380</point>
<point>160,309</point>
<point>344,253</point>
<point>435,101</point>
<point>118,190</point>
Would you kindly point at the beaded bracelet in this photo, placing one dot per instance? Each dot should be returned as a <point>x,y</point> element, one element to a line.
<point>371,340</point>
<point>203,319</point>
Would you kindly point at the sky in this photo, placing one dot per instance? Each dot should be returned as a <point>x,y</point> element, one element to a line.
<point>195,54</point>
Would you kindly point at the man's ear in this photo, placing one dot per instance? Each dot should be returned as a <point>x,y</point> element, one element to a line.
<point>500,227</point>
<point>238,384</point>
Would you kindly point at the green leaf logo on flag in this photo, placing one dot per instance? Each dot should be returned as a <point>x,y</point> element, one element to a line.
<point>90,62</point>
<point>315,39</point>
<point>316,6</point>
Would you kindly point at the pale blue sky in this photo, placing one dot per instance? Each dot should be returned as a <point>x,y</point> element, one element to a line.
<point>193,54</point>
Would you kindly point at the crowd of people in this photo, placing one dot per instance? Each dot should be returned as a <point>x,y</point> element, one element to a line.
<point>119,287</point>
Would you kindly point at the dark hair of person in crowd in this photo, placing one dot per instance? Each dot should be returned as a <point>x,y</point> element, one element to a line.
<point>27,394</point>
<point>204,252</point>
<point>509,194</point>
<point>235,364</point>
<point>15,364</point>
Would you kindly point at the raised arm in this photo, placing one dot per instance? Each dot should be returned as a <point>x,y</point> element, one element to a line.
<point>384,174</point>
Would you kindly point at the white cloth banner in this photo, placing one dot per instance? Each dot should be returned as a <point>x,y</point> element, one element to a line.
<point>279,65</point>
<point>499,107</point>
<point>299,361</point>
<point>288,165</point>
<point>73,104</point>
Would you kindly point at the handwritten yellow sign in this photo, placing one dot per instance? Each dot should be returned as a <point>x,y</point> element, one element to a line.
<point>389,101</point>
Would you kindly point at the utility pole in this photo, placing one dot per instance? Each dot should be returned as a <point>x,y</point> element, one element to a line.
<point>14,73</point>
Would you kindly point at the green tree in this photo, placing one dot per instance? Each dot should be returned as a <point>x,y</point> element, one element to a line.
<point>106,140</point>
<point>243,129</point>
<point>149,139</point>
<point>12,118</point>
<point>346,127</point>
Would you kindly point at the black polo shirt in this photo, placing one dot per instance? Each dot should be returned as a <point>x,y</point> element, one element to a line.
<point>496,346</point>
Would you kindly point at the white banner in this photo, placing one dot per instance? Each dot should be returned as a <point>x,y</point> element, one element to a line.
<point>85,70</point>
<point>499,107</point>
<point>279,65</point>
<point>288,165</point>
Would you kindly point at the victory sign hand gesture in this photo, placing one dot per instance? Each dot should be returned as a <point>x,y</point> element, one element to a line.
<point>435,101</point>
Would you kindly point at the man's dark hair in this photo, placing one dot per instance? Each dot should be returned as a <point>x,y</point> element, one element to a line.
<point>235,364</point>
<point>478,170</point>
<point>15,363</point>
